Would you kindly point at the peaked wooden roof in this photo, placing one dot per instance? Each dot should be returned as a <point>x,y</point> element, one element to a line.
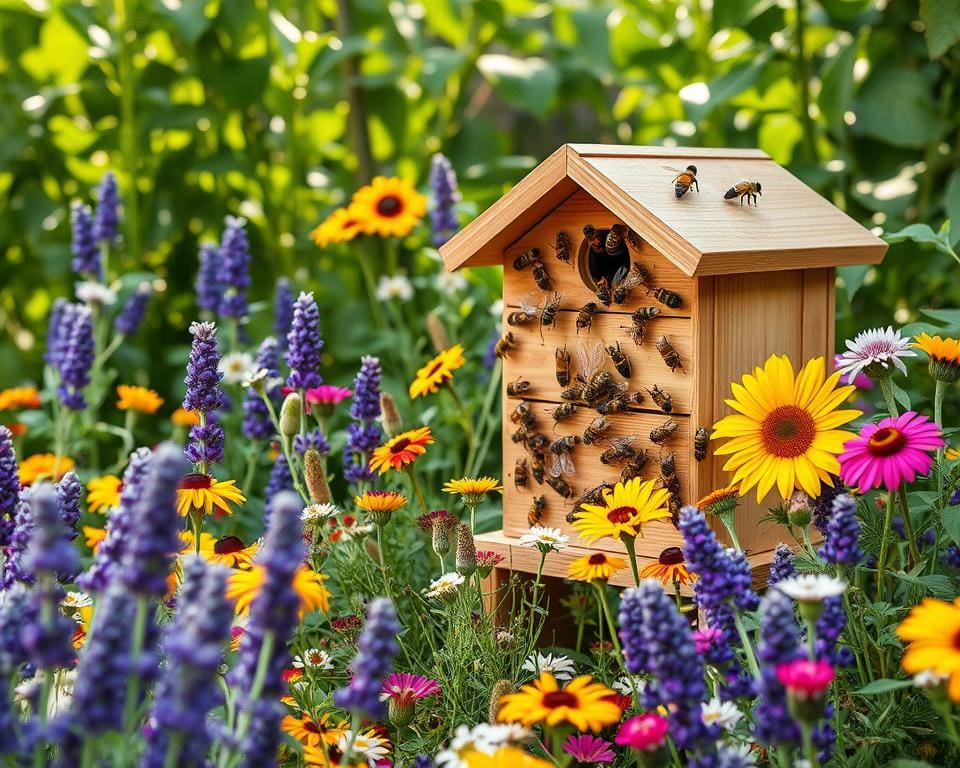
<point>793,227</point>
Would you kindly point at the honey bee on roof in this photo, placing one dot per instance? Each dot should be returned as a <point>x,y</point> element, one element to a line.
<point>683,180</point>
<point>744,189</point>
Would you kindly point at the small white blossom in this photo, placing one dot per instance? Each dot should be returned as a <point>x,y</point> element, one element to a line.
<point>76,600</point>
<point>545,538</point>
<point>486,738</point>
<point>396,287</point>
<point>357,531</point>
<point>372,747</point>
<point>929,678</point>
<point>738,754</point>
<point>560,666</point>
<point>90,292</point>
<point>812,588</point>
<point>313,658</point>
<point>316,512</point>
<point>496,309</point>
<point>722,713</point>
<point>236,367</point>
<point>451,282</point>
<point>626,685</point>
<point>445,586</point>
<point>873,351</point>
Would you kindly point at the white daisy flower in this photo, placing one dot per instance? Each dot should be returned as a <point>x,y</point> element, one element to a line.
<point>450,282</point>
<point>929,678</point>
<point>722,713</point>
<point>76,600</point>
<point>545,538</point>
<point>496,309</point>
<point>396,287</point>
<point>739,755</point>
<point>236,367</point>
<point>373,748</point>
<point>91,292</point>
<point>875,352</point>
<point>357,531</point>
<point>627,684</point>
<point>444,587</point>
<point>560,666</point>
<point>812,587</point>
<point>313,658</point>
<point>316,512</point>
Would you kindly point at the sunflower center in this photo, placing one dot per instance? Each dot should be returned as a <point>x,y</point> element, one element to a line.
<point>886,441</point>
<point>956,640</point>
<point>228,545</point>
<point>621,515</point>
<point>555,699</point>
<point>389,206</point>
<point>400,446</point>
<point>597,559</point>
<point>787,431</point>
<point>196,480</point>
<point>671,556</point>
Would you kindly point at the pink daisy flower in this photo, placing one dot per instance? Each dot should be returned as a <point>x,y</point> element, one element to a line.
<point>404,688</point>
<point>326,396</point>
<point>645,733</point>
<point>705,637</point>
<point>894,450</point>
<point>588,749</point>
<point>805,679</point>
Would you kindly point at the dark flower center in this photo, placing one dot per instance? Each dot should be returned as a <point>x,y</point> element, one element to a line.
<point>400,445</point>
<point>787,431</point>
<point>555,699</point>
<point>598,559</point>
<point>886,441</point>
<point>310,727</point>
<point>434,368</point>
<point>671,556</point>
<point>389,206</point>
<point>196,481</point>
<point>228,545</point>
<point>621,514</point>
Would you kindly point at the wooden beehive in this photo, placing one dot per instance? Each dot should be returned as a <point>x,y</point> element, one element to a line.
<point>753,281</point>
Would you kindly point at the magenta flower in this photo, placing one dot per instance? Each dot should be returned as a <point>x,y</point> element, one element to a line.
<point>588,749</point>
<point>705,638</point>
<point>404,688</point>
<point>894,450</point>
<point>645,733</point>
<point>327,394</point>
<point>805,679</point>
<point>487,560</point>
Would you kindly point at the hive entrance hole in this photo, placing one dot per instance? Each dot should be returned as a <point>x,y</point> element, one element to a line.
<point>596,265</point>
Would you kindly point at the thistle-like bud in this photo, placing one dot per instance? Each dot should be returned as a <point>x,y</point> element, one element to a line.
<point>317,485</point>
<point>390,415</point>
<point>441,540</point>
<point>290,415</point>
<point>500,688</point>
<point>401,712</point>
<point>438,332</point>
<point>798,509</point>
<point>466,550</point>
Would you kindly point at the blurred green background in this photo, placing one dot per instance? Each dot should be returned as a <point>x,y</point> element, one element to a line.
<point>279,110</point>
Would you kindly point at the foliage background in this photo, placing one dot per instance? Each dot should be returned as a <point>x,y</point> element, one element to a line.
<point>278,110</point>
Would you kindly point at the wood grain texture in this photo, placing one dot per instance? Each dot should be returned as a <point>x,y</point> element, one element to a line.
<point>692,153</point>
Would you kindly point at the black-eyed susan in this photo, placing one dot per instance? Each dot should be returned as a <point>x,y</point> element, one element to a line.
<point>312,732</point>
<point>184,418</point>
<point>16,398</point>
<point>944,355</point>
<point>669,568</point>
<point>341,226</point>
<point>583,703</point>
<point>244,585</point>
<point>379,505</point>
<point>473,489</point>
<point>103,494</point>
<point>401,450</point>
<point>93,536</point>
<point>139,399</point>
<point>596,567</point>
<point>626,507</point>
<point>786,432</point>
<point>437,373</point>
<point>41,466</point>
<point>227,550</point>
<point>207,494</point>
<point>388,207</point>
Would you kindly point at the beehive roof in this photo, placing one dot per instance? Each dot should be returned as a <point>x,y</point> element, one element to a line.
<point>793,227</point>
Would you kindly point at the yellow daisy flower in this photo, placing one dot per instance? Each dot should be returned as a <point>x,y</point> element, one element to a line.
<point>341,226</point>
<point>668,568</point>
<point>720,500</point>
<point>595,567</point>
<point>952,453</point>
<point>138,399</point>
<point>379,505</point>
<point>785,433</point>
<point>103,493</point>
<point>15,398</point>
<point>626,507</point>
<point>206,493</point>
<point>505,757</point>
<point>40,467</point>
<point>184,418</point>
<point>227,550</point>
<point>932,629</point>
<point>244,586</point>
<point>401,450</point>
<point>93,536</point>
<point>313,733</point>
<point>583,703</point>
<point>388,207</point>
<point>944,356</point>
<point>473,489</point>
<point>437,373</point>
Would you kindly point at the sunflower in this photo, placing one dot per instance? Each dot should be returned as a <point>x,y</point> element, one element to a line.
<point>313,733</point>
<point>388,207</point>
<point>206,493</point>
<point>19,397</point>
<point>103,493</point>
<point>595,567</point>
<point>584,703</point>
<point>228,550</point>
<point>401,450</point>
<point>933,631</point>
<point>437,373</point>
<point>785,433</point>
<point>505,757</point>
<point>93,536</point>
<point>40,467</point>
<point>184,418</point>
<point>473,489</point>
<point>341,226</point>
<point>626,507</point>
<point>244,586</point>
<point>138,399</point>
<point>944,356</point>
<point>668,569</point>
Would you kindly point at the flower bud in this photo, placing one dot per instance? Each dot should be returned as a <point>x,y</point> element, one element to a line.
<point>290,415</point>
<point>438,333</point>
<point>807,683</point>
<point>500,688</point>
<point>317,485</point>
<point>798,509</point>
<point>466,550</point>
<point>401,712</point>
<point>390,416</point>
<point>441,539</point>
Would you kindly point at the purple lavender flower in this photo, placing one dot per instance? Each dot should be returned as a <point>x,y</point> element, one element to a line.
<point>154,526</point>
<point>16,610</point>
<point>69,491</point>
<point>657,640</point>
<point>106,562</point>
<point>187,689</point>
<point>14,569</point>
<point>54,350</point>
<point>108,210</point>
<point>9,486</point>
<point>78,354</point>
<point>443,183</point>
<point>313,439</point>
<point>422,761</point>
<point>257,424</point>
<point>955,497</point>
<point>83,243</point>
<point>842,545</point>
<point>951,556</point>
<point>280,479</point>
<point>234,267</point>
<point>376,647</point>
<point>365,434</point>
<point>830,626</point>
<point>130,317</point>
<point>304,344</point>
<point>208,285</point>
<point>898,527</point>
<point>822,506</point>
<point>282,311</point>
<point>9,740</point>
<point>779,644</point>
<point>782,566</point>
<point>204,395</point>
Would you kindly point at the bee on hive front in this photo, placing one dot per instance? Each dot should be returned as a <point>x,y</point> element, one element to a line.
<point>744,189</point>
<point>537,508</point>
<point>619,360</point>
<point>594,495</point>
<point>518,387</point>
<point>527,259</point>
<point>523,414</point>
<point>563,247</point>
<point>668,473</point>
<point>525,315</point>
<point>634,240</point>
<point>538,441</point>
<point>701,442</point>
<point>595,430</point>
<point>541,277</point>
<point>624,281</point>
<point>548,315</point>
<point>572,394</point>
<point>537,466</point>
<point>521,473</point>
<point>664,432</point>
<point>562,458</point>
<point>585,316</point>
<point>563,412</point>
<point>616,236</point>
<point>621,450</point>
<point>593,238</point>
<point>559,484</point>
<point>683,180</point>
<point>505,345</point>
<point>662,399</point>
<point>596,383</point>
<point>562,365</point>
<point>641,273</point>
<point>670,356</point>
<point>604,295</point>
<point>634,467</point>
<point>668,298</point>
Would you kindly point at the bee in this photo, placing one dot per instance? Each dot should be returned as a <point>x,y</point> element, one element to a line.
<point>518,387</point>
<point>563,246</point>
<point>593,238</point>
<point>594,495</point>
<point>525,315</point>
<point>744,189</point>
<point>596,382</point>
<point>668,473</point>
<point>527,259</point>
<point>620,451</point>
<point>562,459</point>
<point>595,430</point>
<point>562,412</point>
<point>620,401</point>
<point>603,291</point>
<point>563,366</point>
<point>537,468</point>
<point>701,442</point>
<point>523,414</point>
<point>624,281</point>
<point>634,240</point>
<point>641,273</point>
<point>561,486</point>
<point>634,467</point>
<point>505,345</point>
<point>521,473</point>
<point>585,316</point>
<point>684,180</point>
<point>616,236</point>
<point>662,399</point>
<point>548,313</point>
<point>572,394</point>
<point>541,277</point>
<point>675,504</point>
<point>521,435</point>
<point>670,356</point>
<point>619,360</point>
<point>537,441</point>
<point>664,432</point>
<point>668,298</point>
<point>637,331</point>
<point>642,314</point>
<point>537,508</point>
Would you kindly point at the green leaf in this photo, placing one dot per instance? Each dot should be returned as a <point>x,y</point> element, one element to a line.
<point>905,763</point>
<point>853,277</point>
<point>918,233</point>
<point>900,395</point>
<point>530,82</point>
<point>948,316</point>
<point>883,685</point>
<point>896,105</point>
<point>837,93</point>
<point>728,85</point>
<point>190,19</point>
<point>951,523</point>
<point>941,23</point>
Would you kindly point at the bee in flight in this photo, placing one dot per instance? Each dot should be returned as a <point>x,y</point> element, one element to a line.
<point>684,180</point>
<point>744,189</point>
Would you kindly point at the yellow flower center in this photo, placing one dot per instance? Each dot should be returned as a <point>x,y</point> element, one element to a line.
<point>787,431</point>
<point>555,699</point>
<point>886,441</point>
<point>389,206</point>
<point>621,515</point>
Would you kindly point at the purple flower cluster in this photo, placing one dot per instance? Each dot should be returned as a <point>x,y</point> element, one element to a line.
<point>304,344</point>
<point>130,317</point>
<point>69,491</point>
<point>9,486</point>
<point>83,243</point>
<point>313,439</point>
<point>74,362</point>
<point>282,310</point>
<point>364,434</point>
<point>108,210</point>
<point>376,647</point>
<point>257,424</point>
<point>204,395</point>
<point>14,569</point>
<point>779,644</point>
<point>279,480</point>
<point>16,610</point>
<point>830,626</point>
<point>782,566</point>
<point>656,640</point>
<point>443,183</point>
<point>234,267</point>
<point>822,506</point>
<point>842,545</point>
<point>54,351</point>
<point>208,278</point>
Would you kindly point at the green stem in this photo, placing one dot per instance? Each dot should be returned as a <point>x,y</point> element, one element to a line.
<point>809,748</point>
<point>415,484</point>
<point>371,285</point>
<point>467,426</point>
<point>474,463</point>
<point>747,645</point>
<point>630,545</point>
<point>887,389</point>
<point>727,520</point>
<point>601,587</point>
<point>260,676</point>
<point>43,706</point>
<point>939,391</point>
<point>884,544</point>
<point>803,79</point>
<point>174,746</point>
<point>383,563</point>
<point>908,526</point>
<point>136,648</point>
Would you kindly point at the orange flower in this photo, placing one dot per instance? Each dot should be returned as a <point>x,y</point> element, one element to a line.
<point>138,399</point>
<point>94,536</point>
<point>40,467</point>
<point>19,397</point>
<point>668,568</point>
<point>401,450</point>
<point>184,418</point>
